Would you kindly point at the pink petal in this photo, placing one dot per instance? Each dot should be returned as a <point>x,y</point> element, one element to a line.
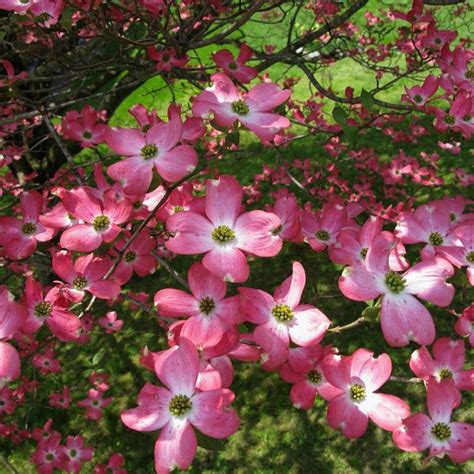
<point>175,303</point>
<point>465,379</point>
<point>387,411</point>
<point>228,263</point>
<point>404,318</point>
<point>223,200</point>
<point>125,141</point>
<point>421,363</point>
<point>441,400</point>
<point>414,434</point>
<point>376,371</point>
<point>449,352</point>
<point>256,305</point>
<point>134,174</point>
<point>274,340</point>
<point>308,326</point>
<point>152,413</point>
<point>290,291</point>
<point>203,331</point>
<point>255,232</point>
<point>176,163</point>
<point>223,57</point>
<point>377,256</point>
<point>203,283</point>
<point>63,266</point>
<point>427,281</point>
<point>178,368</point>
<point>9,363</point>
<point>265,125</point>
<point>31,205</point>
<point>176,446</point>
<point>266,96</point>
<point>105,289</point>
<point>211,416</point>
<point>192,233</point>
<point>357,283</point>
<point>224,88</point>
<point>165,135</point>
<point>337,371</point>
<point>303,394</point>
<point>344,415</point>
<point>81,237</point>
<point>64,325</point>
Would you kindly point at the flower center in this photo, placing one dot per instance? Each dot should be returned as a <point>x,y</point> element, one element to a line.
<point>49,456</point>
<point>223,233</point>
<point>467,118</point>
<point>449,119</point>
<point>436,238</point>
<point>445,374</point>
<point>79,283</point>
<point>363,252</point>
<point>179,405</point>
<point>323,235</point>
<point>43,309</point>
<point>87,135</point>
<point>206,305</point>
<point>314,376</point>
<point>357,393</point>
<point>395,282</point>
<point>149,151</point>
<point>95,403</point>
<point>239,107</point>
<point>441,431</point>
<point>178,209</point>
<point>452,217</point>
<point>418,99</point>
<point>146,127</point>
<point>101,223</point>
<point>130,256</point>
<point>469,75</point>
<point>232,66</point>
<point>282,313</point>
<point>470,256</point>
<point>73,453</point>
<point>28,228</point>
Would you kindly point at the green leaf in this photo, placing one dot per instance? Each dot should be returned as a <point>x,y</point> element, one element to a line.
<point>339,115</point>
<point>98,356</point>
<point>367,100</point>
<point>351,132</point>
<point>371,313</point>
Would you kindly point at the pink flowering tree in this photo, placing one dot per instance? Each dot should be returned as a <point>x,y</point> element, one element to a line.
<point>236,234</point>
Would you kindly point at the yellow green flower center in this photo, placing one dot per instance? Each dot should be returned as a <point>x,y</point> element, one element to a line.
<point>395,282</point>
<point>223,233</point>
<point>436,238</point>
<point>101,223</point>
<point>28,228</point>
<point>282,313</point>
<point>417,98</point>
<point>43,309</point>
<point>470,256</point>
<point>179,405</point>
<point>239,107</point>
<point>449,119</point>
<point>441,431</point>
<point>87,135</point>
<point>232,66</point>
<point>357,393</point>
<point>73,453</point>
<point>149,151</point>
<point>79,283</point>
<point>314,376</point>
<point>363,252</point>
<point>178,209</point>
<point>445,374</point>
<point>206,305</point>
<point>130,256</point>
<point>322,235</point>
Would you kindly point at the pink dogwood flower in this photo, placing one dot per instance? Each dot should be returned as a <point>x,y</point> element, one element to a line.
<point>209,313</point>
<point>419,95</point>
<point>225,234</point>
<point>445,365</point>
<point>110,322</point>
<point>236,68</point>
<point>83,127</point>
<point>61,399</point>
<point>281,318</point>
<point>76,453</point>
<point>52,309</point>
<point>464,326</point>
<point>19,237</point>
<point>177,407</point>
<point>402,316</point>
<point>114,464</point>
<point>251,109</point>
<point>429,223</point>
<point>357,377</point>
<point>156,149</point>
<point>49,455</point>
<point>101,218</point>
<point>94,403</point>
<point>85,274</point>
<point>437,431</point>
<point>304,371</point>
